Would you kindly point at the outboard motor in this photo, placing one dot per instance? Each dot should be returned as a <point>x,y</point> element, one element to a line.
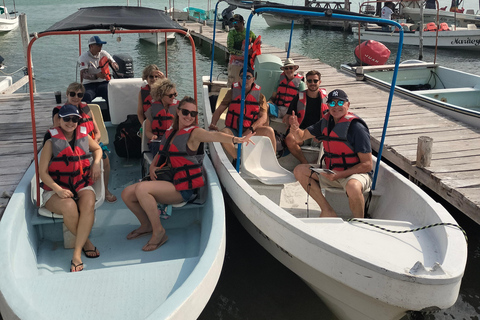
<point>372,53</point>
<point>125,66</point>
<point>227,14</point>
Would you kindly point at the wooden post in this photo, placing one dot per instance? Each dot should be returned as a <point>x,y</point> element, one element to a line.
<point>424,151</point>
<point>22,20</point>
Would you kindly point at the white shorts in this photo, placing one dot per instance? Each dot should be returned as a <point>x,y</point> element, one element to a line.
<point>48,194</point>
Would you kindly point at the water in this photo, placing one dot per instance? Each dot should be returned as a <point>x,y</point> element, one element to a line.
<point>253,285</point>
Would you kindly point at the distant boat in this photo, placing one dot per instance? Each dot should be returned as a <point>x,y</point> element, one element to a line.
<point>461,38</point>
<point>156,37</point>
<point>7,22</point>
<point>451,18</point>
<point>200,13</point>
<point>454,93</point>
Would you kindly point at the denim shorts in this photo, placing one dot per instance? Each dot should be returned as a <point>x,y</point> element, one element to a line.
<point>188,195</point>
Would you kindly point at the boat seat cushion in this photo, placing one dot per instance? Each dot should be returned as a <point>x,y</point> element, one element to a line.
<point>123,98</point>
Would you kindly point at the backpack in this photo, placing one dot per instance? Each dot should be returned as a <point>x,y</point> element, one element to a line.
<point>127,142</point>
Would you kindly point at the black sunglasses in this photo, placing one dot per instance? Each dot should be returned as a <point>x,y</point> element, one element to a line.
<point>172,95</point>
<point>186,112</point>
<point>73,119</point>
<point>153,77</point>
<point>73,94</point>
<point>313,80</point>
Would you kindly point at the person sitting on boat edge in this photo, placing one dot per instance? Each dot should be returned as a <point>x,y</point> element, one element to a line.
<point>150,74</point>
<point>236,48</point>
<point>180,161</point>
<point>66,193</point>
<point>94,70</point>
<point>160,115</point>
<point>288,88</point>
<point>347,152</point>
<point>75,92</point>
<point>306,109</point>
<point>254,118</point>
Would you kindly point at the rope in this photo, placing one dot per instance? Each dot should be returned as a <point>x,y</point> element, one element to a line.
<point>11,74</point>
<point>412,230</point>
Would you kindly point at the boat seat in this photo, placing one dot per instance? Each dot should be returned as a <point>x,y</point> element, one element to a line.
<point>97,114</point>
<point>123,98</point>
<point>449,90</point>
<point>44,217</point>
<point>260,161</point>
<point>147,155</point>
<point>198,202</point>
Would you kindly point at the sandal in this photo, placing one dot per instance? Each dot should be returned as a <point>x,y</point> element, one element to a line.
<point>75,266</point>
<point>155,246</point>
<point>95,251</point>
<point>111,198</point>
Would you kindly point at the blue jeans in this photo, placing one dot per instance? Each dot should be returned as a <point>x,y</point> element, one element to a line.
<point>95,89</point>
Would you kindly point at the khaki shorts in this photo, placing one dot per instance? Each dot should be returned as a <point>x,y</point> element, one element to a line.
<point>48,194</point>
<point>364,178</point>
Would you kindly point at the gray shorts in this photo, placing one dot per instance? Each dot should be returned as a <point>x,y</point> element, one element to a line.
<point>48,194</point>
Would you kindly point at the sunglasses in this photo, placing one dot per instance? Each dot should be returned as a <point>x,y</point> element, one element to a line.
<point>339,103</point>
<point>153,77</point>
<point>73,94</point>
<point>186,112</point>
<point>171,95</point>
<point>73,119</point>
<point>249,77</point>
<point>288,68</point>
<point>313,80</point>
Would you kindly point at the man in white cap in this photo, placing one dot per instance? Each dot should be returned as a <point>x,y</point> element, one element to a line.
<point>347,156</point>
<point>94,70</point>
<point>287,89</point>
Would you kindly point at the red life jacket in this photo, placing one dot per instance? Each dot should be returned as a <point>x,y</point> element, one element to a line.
<point>70,169</point>
<point>187,169</point>
<point>162,119</point>
<point>252,106</point>
<point>339,153</point>
<point>431,26</point>
<point>444,27</point>
<point>302,103</point>
<point>103,64</point>
<point>256,50</point>
<point>146,97</point>
<point>287,90</point>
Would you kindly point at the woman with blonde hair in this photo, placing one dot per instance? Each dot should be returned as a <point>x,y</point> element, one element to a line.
<point>150,74</point>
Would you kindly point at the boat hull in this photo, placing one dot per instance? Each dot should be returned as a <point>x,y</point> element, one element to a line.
<point>279,21</point>
<point>353,285</point>
<point>451,18</point>
<point>7,25</point>
<point>156,37</point>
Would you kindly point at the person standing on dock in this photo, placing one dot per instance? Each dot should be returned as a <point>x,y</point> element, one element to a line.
<point>236,48</point>
<point>347,156</point>
<point>94,70</point>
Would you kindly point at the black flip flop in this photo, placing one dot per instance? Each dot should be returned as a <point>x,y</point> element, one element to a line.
<point>75,266</point>
<point>94,251</point>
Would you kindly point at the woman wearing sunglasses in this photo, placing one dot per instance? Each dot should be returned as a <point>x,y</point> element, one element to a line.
<point>150,74</point>
<point>75,93</point>
<point>68,184</point>
<point>160,114</point>
<point>181,153</point>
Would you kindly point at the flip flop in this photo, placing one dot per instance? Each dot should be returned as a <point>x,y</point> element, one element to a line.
<point>75,266</point>
<point>156,245</point>
<point>94,251</point>
<point>134,235</point>
<point>111,198</point>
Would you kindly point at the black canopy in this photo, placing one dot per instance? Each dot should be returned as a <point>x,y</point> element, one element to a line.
<point>125,17</point>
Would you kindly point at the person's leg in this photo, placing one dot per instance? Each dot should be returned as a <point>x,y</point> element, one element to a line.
<point>86,208</point>
<point>106,177</point>
<point>268,132</point>
<point>130,199</point>
<point>356,200</point>
<point>229,147</point>
<point>89,94</point>
<point>309,182</point>
<point>102,91</point>
<point>295,148</point>
<point>149,193</point>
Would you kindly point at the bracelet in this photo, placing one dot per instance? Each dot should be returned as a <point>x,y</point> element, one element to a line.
<point>233,140</point>
<point>251,129</point>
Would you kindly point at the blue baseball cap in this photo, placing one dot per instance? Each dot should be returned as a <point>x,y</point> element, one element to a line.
<point>96,40</point>
<point>68,110</point>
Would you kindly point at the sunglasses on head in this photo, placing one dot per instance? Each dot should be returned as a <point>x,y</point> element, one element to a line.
<point>153,77</point>
<point>73,119</point>
<point>339,103</point>
<point>172,95</point>
<point>186,112</point>
<point>73,94</point>
<point>312,80</point>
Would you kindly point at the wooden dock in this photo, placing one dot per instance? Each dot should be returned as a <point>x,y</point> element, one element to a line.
<point>454,173</point>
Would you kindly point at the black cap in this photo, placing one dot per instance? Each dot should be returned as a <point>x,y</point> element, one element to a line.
<point>68,110</point>
<point>237,17</point>
<point>249,70</point>
<point>337,94</point>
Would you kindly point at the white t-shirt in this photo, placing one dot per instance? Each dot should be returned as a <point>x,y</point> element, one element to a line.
<point>386,13</point>
<point>90,62</point>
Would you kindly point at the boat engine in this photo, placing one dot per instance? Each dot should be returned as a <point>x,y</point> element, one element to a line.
<point>125,66</point>
<point>371,53</point>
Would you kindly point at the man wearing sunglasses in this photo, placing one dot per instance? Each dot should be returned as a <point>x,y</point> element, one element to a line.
<point>236,47</point>
<point>306,109</point>
<point>94,70</point>
<point>287,89</point>
<point>348,154</point>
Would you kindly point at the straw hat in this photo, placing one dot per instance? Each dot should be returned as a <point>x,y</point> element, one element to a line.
<point>289,63</point>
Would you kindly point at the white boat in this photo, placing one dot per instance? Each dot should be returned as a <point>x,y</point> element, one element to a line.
<point>157,37</point>
<point>451,18</point>
<point>174,282</point>
<point>460,39</point>
<point>7,22</point>
<point>451,92</point>
<point>357,267</point>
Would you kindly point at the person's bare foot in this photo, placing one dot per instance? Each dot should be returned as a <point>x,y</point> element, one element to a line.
<point>76,267</point>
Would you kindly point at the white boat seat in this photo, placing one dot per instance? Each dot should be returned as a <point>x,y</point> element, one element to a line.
<point>147,155</point>
<point>123,98</point>
<point>97,114</point>
<point>260,162</point>
<point>448,90</point>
